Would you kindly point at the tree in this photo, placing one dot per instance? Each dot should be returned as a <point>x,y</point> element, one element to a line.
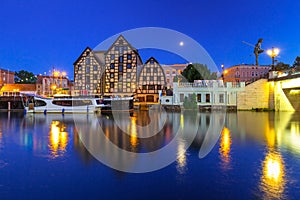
<point>190,102</point>
<point>281,66</point>
<point>198,72</point>
<point>296,64</point>
<point>24,77</point>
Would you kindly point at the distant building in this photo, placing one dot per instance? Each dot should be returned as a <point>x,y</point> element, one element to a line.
<point>50,85</point>
<point>245,73</point>
<point>171,71</point>
<point>17,89</point>
<point>6,77</point>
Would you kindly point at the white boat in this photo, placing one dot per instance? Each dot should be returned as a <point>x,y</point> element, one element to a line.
<point>64,104</point>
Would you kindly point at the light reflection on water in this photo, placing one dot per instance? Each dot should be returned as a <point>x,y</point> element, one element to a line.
<point>225,147</point>
<point>272,170</point>
<point>272,182</point>
<point>58,138</point>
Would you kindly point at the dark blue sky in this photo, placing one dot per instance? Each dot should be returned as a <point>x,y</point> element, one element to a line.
<point>38,35</point>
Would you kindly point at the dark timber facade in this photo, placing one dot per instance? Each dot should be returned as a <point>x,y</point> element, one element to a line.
<point>152,79</point>
<point>119,71</point>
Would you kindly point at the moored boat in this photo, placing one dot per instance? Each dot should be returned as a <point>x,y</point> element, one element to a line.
<point>64,104</point>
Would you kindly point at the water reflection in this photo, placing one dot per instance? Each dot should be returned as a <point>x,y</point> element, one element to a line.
<point>58,138</point>
<point>224,150</point>
<point>181,157</point>
<point>273,176</point>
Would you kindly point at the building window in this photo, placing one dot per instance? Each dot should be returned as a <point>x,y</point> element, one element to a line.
<point>87,61</point>
<point>128,85</point>
<point>128,66</point>
<point>111,75</point>
<point>207,98</point>
<point>155,70</point>
<point>159,87</point>
<point>151,78</point>
<point>95,68</point>
<point>221,98</point>
<point>120,68</point>
<point>151,87</point>
<point>199,97</point>
<point>148,70</point>
<point>252,73</point>
<point>112,66</point>
<point>128,75</point>
<point>87,69</point>
<point>116,48</point>
<point>79,67</point>
<point>112,57</point>
<point>120,59</point>
<point>144,87</point>
<point>112,85</point>
<point>181,97</point>
<point>129,56</point>
<point>95,77</point>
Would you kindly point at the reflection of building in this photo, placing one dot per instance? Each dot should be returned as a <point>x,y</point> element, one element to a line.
<point>245,73</point>
<point>6,77</point>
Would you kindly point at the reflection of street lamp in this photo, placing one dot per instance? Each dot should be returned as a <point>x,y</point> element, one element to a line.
<point>273,53</point>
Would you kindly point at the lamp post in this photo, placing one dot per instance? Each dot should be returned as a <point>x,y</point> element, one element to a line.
<point>273,53</point>
<point>222,66</point>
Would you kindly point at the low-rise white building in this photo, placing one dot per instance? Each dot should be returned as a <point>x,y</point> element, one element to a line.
<point>209,93</point>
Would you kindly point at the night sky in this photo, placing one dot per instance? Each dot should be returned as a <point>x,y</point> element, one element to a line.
<point>39,35</point>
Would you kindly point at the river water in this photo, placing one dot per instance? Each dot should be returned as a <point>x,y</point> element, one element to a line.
<point>152,155</point>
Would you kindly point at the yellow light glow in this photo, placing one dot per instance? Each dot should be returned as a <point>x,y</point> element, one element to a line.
<point>225,145</point>
<point>273,52</point>
<point>133,135</point>
<point>273,176</point>
<point>58,138</point>
<point>181,121</point>
<point>225,71</point>
<point>56,73</point>
<point>181,156</point>
<point>63,73</point>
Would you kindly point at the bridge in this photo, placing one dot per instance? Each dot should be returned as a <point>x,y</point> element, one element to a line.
<point>286,92</point>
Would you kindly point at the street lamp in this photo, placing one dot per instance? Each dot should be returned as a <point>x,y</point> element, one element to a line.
<point>273,53</point>
<point>222,66</point>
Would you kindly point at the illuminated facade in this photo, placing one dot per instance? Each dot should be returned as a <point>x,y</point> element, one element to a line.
<point>88,72</point>
<point>49,85</point>
<point>245,73</point>
<point>151,80</point>
<point>121,65</point>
